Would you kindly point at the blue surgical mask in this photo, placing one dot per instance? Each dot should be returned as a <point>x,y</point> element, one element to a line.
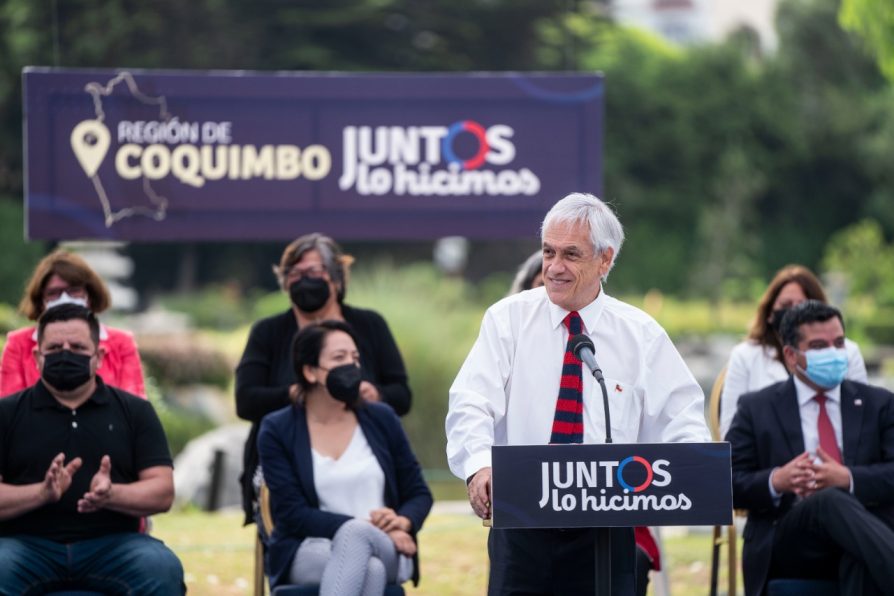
<point>826,367</point>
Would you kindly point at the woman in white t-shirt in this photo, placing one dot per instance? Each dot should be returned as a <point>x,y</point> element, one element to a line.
<point>346,492</point>
<point>757,362</point>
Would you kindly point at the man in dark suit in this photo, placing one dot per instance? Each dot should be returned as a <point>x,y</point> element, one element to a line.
<point>813,462</point>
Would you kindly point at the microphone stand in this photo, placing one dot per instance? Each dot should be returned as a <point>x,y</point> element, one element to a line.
<point>584,349</point>
<point>603,535</point>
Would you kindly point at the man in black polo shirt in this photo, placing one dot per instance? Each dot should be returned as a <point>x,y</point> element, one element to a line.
<point>80,464</point>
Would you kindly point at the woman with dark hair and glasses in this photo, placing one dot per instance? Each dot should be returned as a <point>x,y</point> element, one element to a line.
<point>62,277</point>
<point>313,271</point>
<point>347,495</point>
<point>758,361</point>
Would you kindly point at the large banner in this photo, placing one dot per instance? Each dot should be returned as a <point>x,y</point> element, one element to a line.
<point>174,155</point>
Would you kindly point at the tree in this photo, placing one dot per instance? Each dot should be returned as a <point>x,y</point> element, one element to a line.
<point>19,257</point>
<point>314,35</point>
<point>859,255</point>
<point>874,21</point>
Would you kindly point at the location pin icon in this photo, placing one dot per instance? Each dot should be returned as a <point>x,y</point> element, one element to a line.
<point>90,142</point>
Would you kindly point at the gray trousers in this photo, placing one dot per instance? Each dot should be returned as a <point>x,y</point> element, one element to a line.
<point>359,560</point>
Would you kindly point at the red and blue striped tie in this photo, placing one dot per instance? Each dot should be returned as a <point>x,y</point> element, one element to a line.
<point>568,423</point>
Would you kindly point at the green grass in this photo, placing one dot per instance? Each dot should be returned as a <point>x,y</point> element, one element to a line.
<point>445,486</point>
<point>218,555</point>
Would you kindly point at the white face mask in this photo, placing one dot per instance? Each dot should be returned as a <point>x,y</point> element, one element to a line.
<point>65,298</point>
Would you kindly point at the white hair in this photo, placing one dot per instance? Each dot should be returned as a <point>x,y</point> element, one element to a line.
<point>605,229</point>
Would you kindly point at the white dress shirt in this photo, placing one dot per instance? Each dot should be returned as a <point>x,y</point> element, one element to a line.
<point>752,367</point>
<point>506,391</point>
<point>808,408</point>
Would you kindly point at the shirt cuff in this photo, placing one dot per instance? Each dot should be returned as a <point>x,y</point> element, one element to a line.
<point>476,462</point>
<point>851,476</point>
<point>773,494</point>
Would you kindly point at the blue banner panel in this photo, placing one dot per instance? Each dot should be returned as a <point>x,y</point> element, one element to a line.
<point>583,486</point>
<point>183,156</point>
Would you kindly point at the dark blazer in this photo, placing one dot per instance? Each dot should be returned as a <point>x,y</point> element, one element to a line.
<point>284,446</point>
<point>265,372</point>
<point>766,433</point>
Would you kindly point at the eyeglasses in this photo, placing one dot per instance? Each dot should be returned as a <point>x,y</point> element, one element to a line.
<point>312,272</point>
<point>73,291</point>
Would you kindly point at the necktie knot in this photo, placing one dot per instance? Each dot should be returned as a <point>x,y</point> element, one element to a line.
<point>820,399</point>
<point>573,323</point>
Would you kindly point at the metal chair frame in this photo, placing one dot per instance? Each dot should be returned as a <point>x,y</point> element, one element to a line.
<point>721,534</point>
<point>266,518</point>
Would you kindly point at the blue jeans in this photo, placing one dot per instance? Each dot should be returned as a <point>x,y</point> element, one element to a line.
<point>127,563</point>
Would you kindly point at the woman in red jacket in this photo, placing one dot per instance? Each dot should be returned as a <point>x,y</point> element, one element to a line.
<point>65,277</point>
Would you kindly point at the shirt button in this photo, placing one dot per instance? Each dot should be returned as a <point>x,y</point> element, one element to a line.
<point>74,424</point>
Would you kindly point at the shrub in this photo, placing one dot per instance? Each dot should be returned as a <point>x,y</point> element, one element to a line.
<point>865,261</point>
<point>880,327</point>
<point>434,322</point>
<point>270,304</point>
<point>184,360</point>
<point>215,307</point>
<point>180,426</point>
<point>10,319</point>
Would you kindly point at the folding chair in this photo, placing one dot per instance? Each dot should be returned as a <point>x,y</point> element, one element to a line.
<point>265,528</point>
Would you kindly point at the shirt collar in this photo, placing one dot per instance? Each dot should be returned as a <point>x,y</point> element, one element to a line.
<point>44,399</point>
<point>806,392</point>
<point>588,314</point>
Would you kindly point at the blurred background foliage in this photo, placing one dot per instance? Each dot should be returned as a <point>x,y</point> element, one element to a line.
<point>725,162</point>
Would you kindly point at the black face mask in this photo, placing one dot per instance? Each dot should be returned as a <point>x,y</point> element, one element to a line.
<point>776,319</point>
<point>309,294</point>
<point>343,383</point>
<point>66,370</point>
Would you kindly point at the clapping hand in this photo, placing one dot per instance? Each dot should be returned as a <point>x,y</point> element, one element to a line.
<point>58,477</point>
<point>100,488</point>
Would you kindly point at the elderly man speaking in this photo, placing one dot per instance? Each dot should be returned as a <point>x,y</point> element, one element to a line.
<point>520,385</point>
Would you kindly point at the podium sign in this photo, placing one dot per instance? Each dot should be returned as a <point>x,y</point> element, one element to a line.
<point>612,485</point>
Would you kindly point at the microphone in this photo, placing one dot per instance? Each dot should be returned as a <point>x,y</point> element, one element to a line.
<point>583,347</point>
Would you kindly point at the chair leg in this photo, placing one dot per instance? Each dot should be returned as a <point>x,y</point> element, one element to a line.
<point>716,541</point>
<point>732,560</point>
<point>259,567</point>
